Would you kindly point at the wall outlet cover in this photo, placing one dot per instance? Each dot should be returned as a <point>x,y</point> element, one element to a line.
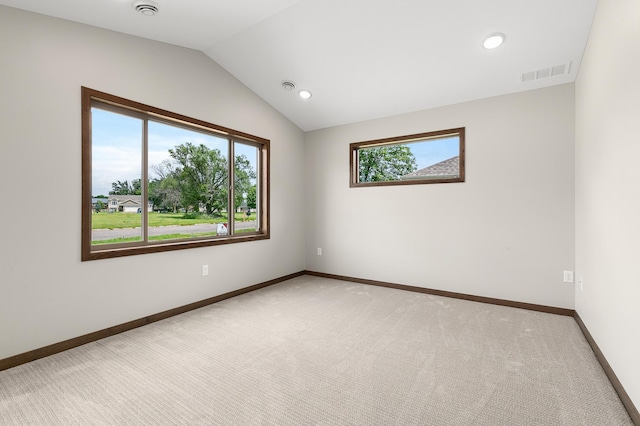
<point>568,276</point>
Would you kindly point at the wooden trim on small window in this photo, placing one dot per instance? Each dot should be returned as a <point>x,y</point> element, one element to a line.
<point>354,176</point>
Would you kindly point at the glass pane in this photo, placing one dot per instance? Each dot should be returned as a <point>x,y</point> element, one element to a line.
<point>188,183</point>
<point>116,172</point>
<point>428,159</point>
<point>435,159</point>
<point>246,188</point>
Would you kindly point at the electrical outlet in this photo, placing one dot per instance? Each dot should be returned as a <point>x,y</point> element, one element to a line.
<point>568,276</point>
<point>205,270</point>
<point>319,251</point>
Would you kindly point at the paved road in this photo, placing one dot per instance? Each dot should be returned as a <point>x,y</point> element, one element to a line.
<point>107,234</point>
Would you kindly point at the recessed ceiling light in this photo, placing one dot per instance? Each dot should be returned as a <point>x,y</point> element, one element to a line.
<point>493,41</point>
<point>146,7</point>
<point>304,94</point>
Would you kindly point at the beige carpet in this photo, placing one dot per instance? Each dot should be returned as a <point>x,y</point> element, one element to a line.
<point>313,351</point>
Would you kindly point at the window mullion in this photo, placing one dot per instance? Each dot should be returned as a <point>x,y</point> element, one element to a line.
<point>144,190</point>
<point>231,205</point>
<point>259,198</point>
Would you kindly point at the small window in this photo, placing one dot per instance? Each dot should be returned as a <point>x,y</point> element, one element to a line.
<point>434,157</point>
<point>172,182</point>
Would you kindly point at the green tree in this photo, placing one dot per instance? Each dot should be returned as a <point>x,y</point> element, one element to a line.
<point>126,188</point>
<point>385,163</point>
<point>251,197</point>
<point>244,175</point>
<point>99,206</point>
<point>119,188</point>
<point>164,191</point>
<point>201,175</point>
<point>136,187</point>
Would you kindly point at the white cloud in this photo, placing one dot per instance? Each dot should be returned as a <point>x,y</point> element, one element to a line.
<point>113,163</point>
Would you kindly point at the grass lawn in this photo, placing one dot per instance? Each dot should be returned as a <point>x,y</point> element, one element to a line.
<point>117,220</point>
<point>165,237</point>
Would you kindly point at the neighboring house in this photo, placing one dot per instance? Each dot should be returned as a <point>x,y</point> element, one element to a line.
<point>446,169</point>
<point>126,203</point>
<point>95,201</point>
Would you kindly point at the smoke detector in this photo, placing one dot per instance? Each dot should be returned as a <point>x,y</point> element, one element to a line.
<point>146,7</point>
<point>288,85</point>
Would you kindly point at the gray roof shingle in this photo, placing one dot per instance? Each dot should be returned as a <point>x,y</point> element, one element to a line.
<point>444,169</point>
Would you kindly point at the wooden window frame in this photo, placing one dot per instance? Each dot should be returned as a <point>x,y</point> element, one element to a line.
<point>93,252</point>
<point>399,140</point>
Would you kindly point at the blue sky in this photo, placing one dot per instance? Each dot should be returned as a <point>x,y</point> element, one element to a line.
<point>117,146</point>
<point>434,151</point>
<point>116,149</point>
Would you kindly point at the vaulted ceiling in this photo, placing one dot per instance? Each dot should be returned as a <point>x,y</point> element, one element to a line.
<point>360,59</point>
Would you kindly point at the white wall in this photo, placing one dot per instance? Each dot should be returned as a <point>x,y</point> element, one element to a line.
<point>608,188</point>
<point>46,294</point>
<point>507,232</point>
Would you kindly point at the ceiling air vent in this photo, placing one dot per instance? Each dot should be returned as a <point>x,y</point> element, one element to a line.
<point>546,72</point>
<point>147,8</point>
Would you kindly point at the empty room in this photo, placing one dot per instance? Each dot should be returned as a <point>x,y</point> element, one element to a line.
<point>319,212</point>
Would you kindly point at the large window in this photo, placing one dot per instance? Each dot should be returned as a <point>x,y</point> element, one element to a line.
<point>153,180</point>
<point>434,157</point>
